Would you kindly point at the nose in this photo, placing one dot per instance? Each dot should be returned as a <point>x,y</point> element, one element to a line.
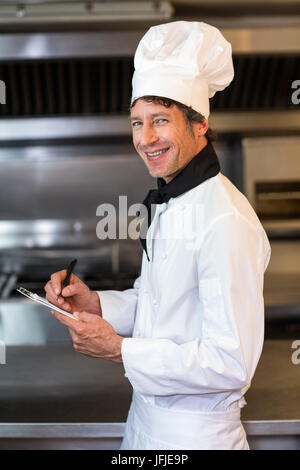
<point>148,135</point>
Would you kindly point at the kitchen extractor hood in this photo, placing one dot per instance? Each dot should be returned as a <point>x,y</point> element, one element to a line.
<point>37,12</point>
<point>89,97</point>
<point>78,84</point>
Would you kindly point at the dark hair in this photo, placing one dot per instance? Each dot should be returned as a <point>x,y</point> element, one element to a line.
<point>191,116</point>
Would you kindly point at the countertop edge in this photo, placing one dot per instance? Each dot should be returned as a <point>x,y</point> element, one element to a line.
<point>116,430</point>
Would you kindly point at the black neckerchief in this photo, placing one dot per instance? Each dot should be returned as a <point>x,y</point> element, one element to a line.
<point>203,166</point>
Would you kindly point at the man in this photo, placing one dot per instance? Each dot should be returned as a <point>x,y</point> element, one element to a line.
<point>190,332</point>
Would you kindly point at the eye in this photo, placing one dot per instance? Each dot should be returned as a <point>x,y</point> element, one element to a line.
<point>136,123</point>
<point>161,120</point>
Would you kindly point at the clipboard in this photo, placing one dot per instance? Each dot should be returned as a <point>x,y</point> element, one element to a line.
<point>41,300</point>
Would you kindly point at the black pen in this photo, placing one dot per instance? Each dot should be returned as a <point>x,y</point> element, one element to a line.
<point>68,275</point>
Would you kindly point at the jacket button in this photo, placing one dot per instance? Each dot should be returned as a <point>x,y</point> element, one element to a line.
<point>164,256</point>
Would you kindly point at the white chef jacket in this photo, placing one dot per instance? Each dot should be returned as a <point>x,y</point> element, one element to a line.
<point>194,320</point>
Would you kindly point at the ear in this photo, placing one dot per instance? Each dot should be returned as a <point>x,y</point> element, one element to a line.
<point>201,128</point>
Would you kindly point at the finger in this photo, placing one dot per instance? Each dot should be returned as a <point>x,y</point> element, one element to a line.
<point>57,279</point>
<point>73,335</point>
<point>52,297</point>
<point>87,317</point>
<point>78,341</point>
<point>72,289</point>
<point>50,294</point>
<point>65,305</point>
<point>48,288</point>
<point>67,321</point>
<point>81,349</point>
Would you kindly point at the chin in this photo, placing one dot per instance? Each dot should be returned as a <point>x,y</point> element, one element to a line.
<point>154,174</point>
<point>157,174</point>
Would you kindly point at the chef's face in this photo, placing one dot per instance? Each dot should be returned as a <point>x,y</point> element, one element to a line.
<point>162,138</point>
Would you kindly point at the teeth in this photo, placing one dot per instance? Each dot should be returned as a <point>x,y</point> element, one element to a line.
<point>159,152</point>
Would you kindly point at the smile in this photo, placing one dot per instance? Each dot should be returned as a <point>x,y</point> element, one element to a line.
<point>157,154</point>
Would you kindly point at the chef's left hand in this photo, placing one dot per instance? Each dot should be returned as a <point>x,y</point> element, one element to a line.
<point>92,335</point>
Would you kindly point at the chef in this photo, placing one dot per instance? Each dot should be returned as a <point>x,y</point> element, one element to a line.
<point>190,331</point>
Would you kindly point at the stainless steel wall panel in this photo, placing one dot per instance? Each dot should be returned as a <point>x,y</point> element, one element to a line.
<point>65,45</point>
<point>49,45</point>
<point>63,128</point>
<point>248,123</point>
<point>67,188</point>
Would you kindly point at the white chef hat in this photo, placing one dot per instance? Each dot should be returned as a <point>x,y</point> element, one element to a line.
<point>185,61</point>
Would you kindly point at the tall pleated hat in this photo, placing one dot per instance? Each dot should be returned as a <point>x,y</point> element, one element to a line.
<point>187,61</point>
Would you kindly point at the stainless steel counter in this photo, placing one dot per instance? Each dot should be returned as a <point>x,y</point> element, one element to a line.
<point>52,397</point>
<point>52,383</point>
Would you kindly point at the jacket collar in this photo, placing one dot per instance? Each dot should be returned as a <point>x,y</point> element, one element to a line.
<point>203,166</point>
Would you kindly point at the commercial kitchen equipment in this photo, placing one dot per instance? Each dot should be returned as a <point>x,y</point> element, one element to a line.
<point>66,149</point>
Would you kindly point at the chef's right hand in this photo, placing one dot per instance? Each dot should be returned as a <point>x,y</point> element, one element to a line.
<point>75,297</point>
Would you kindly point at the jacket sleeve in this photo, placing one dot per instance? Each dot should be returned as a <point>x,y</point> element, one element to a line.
<point>119,307</point>
<point>231,262</point>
